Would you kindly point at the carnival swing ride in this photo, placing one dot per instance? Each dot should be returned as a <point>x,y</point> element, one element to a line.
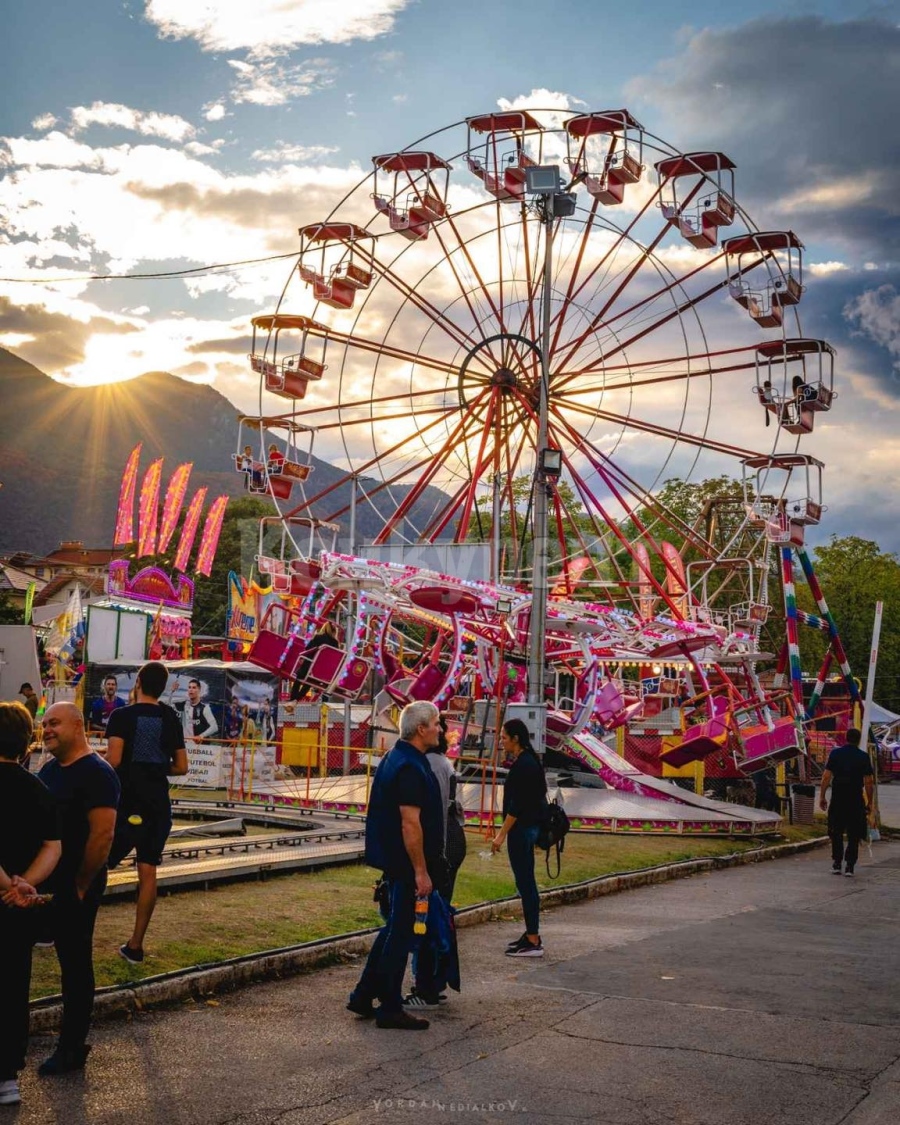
<point>510,335</point>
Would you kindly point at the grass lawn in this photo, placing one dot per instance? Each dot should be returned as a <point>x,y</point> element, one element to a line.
<point>196,927</point>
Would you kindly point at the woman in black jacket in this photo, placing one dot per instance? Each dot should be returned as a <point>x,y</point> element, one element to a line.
<point>29,850</point>
<point>524,807</point>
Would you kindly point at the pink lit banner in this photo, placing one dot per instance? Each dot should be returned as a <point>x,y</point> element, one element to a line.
<point>148,509</point>
<point>189,530</point>
<point>645,587</point>
<point>175,494</point>
<point>573,571</point>
<point>211,532</point>
<point>125,514</point>
<point>675,578</point>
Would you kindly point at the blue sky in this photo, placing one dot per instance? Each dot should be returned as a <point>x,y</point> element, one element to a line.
<point>142,136</point>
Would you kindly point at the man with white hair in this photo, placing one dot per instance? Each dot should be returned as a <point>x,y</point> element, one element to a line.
<point>404,839</point>
<point>86,790</point>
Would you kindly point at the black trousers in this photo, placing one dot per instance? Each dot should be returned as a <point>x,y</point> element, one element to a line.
<point>73,936</point>
<point>16,940</point>
<point>849,821</point>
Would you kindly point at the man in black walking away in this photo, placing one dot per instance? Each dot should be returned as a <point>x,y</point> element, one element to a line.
<point>145,748</point>
<point>849,773</point>
<point>86,790</point>
<point>404,839</point>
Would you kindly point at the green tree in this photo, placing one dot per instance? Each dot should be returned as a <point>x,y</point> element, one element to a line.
<point>10,614</point>
<point>854,574</point>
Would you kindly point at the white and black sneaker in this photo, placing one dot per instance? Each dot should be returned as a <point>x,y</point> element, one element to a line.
<point>516,941</point>
<point>416,1003</point>
<point>9,1092</point>
<point>835,869</point>
<point>526,948</point>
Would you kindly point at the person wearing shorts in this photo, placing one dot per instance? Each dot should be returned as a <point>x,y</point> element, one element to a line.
<point>146,748</point>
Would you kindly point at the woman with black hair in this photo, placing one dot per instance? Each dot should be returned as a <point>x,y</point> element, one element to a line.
<point>524,808</point>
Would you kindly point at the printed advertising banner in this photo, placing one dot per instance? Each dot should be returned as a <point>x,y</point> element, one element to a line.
<point>229,713</point>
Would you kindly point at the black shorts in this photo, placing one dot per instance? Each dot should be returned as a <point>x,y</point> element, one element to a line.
<point>146,839</point>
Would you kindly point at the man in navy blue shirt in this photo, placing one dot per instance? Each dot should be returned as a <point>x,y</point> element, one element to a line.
<point>404,839</point>
<point>86,790</point>
<point>849,773</point>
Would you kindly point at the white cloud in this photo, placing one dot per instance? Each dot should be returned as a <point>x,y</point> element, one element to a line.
<point>877,314</point>
<point>284,153</point>
<point>168,126</point>
<point>272,25</point>
<point>822,269</point>
<point>272,82</point>
<point>196,148</point>
<point>45,121</point>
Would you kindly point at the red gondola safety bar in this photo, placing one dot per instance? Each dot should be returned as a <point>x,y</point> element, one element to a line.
<point>811,391</point>
<point>782,252</point>
<point>698,216</point>
<point>503,173</point>
<point>338,275</point>
<point>289,377</point>
<point>416,199</point>
<point>598,152</point>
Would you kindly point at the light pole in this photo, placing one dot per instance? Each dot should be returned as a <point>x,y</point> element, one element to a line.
<point>552,202</point>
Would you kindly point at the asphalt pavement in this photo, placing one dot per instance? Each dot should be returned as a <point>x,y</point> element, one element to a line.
<point>761,995</point>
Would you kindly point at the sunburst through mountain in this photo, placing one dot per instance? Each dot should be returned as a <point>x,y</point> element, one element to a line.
<point>63,449</point>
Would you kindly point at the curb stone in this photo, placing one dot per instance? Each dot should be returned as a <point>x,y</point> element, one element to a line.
<point>199,982</point>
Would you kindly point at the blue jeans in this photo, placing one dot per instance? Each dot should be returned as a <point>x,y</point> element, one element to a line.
<point>382,978</point>
<point>520,844</point>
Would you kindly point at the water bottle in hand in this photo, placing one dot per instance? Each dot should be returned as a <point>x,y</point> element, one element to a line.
<point>420,923</point>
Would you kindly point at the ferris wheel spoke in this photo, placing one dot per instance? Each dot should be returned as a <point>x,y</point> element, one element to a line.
<point>438,316</point>
<point>672,312</point>
<point>372,463</point>
<point>681,436</point>
<point>641,495</point>
<point>661,363</point>
<point>559,317</point>
<point>600,467</point>
<point>422,483</point>
<point>390,351</point>
<point>495,307</point>
<point>479,468</point>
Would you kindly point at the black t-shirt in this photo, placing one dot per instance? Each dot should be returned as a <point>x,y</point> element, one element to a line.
<point>152,735</point>
<point>525,790</point>
<point>88,783</point>
<point>849,768</point>
<point>411,788</point>
<point>27,818</point>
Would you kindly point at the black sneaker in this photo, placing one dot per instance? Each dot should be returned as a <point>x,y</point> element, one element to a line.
<point>134,956</point>
<point>835,869</point>
<point>849,871</point>
<point>360,1007</point>
<point>64,1060</point>
<point>400,1021</point>
<point>526,948</point>
<point>516,941</point>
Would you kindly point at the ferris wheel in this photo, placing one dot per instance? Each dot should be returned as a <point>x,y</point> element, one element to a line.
<point>519,298</point>
<point>410,338</point>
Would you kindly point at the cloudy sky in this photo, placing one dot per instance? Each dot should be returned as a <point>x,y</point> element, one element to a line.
<point>157,136</point>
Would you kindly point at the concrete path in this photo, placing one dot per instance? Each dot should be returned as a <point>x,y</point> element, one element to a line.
<point>763,995</point>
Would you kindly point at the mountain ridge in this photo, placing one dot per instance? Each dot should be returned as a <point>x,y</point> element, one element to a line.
<point>63,450</point>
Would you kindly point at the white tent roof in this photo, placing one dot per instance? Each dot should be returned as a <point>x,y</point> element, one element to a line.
<point>880,714</point>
